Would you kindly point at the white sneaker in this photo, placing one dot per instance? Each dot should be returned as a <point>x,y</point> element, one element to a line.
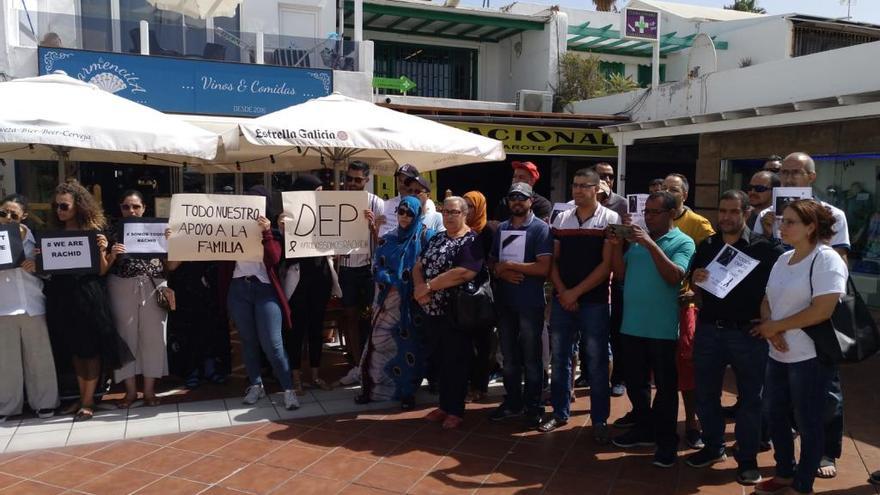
<point>253,394</point>
<point>45,413</point>
<point>291,402</point>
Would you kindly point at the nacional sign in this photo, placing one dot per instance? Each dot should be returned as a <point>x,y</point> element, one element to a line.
<point>179,85</point>
<point>554,141</point>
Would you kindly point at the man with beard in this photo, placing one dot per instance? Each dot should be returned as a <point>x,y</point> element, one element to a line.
<point>526,172</point>
<point>388,221</point>
<point>760,191</point>
<point>522,252</point>
<point>722,338</point>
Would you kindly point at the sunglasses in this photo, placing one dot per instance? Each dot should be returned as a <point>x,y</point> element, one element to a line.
<point>62,206</point>
<point>606,176</point>
<point>131,207</point>
<point>349,178</point>
<point>9,214</point>
<point>518,197</point>
<point>405,212</point>
<point>759,189</point>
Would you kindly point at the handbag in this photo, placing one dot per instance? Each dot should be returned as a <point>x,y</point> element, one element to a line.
<point>850,335</point>
<point>472,304</point>
<point>161,299</point>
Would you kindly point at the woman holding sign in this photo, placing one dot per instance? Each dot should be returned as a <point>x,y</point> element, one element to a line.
<point>25,350</point>
<point>392,366</point>
<point>133,283</point>
<point>77,305</point>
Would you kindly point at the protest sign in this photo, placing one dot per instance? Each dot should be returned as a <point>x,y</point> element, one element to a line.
<point>635,207</point>
<point>67,251</point>
<point>320,223</point>
<point>513,246</point>
<point>729,267</point>
<point>11,250</point>
<point>784,195</point>
<point>559,208</point>
<point>144,237</point>
<point>215,227</point>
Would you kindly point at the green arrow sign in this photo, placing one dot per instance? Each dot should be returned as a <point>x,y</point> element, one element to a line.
<point>402,84</point>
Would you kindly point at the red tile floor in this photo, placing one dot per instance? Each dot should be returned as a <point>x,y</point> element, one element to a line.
<point>395,452</point>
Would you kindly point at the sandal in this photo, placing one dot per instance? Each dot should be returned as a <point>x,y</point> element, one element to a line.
<point>320,383</point>
<point>126,403</point>
<point>828,464</point>
<point>152,401</point>
<point>71,408</point>
<point>85,413</point>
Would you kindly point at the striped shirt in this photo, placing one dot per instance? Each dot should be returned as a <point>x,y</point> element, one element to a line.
<point>377,206</point>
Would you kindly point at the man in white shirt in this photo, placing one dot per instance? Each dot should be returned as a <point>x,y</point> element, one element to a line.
<point>355,270</point>
<point>388,221</point>
<point>799,170</point>
<point>419,187</point>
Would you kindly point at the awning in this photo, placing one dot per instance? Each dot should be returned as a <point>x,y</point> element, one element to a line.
<point>605,39</point>
<point>436,21</point>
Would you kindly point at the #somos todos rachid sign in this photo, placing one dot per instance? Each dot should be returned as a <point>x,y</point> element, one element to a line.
<point>144,237</point>
<point>67,251</point>
<point>321,223</point>
<point>215,227</point>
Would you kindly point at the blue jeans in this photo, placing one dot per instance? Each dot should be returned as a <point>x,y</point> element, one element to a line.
<point>714,349</point>
<point>254,308</point>
<point>520,330</point>
<point>800,387</point>
<point>590,326</point>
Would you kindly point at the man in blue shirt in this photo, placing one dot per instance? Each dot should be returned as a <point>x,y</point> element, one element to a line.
<point>653,270</point>
<point>522,252</point>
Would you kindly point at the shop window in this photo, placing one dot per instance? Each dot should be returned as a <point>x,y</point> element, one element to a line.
<point>438,71</point>
<point>644,75</point>
<point>224,183</point>
<point>37,180</point>
<point>610,68</point>
<point>194,182</point>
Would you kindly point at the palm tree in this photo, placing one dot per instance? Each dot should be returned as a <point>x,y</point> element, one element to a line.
<point>605,5</point>
<point>746,6</point>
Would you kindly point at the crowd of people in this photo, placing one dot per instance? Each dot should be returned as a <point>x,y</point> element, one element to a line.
<point>589,285</point>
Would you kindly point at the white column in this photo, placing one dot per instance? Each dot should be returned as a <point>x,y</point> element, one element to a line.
<point>621,164</point>
<point>145,37</point>
<point>359,20</point>
<point>260,49</point>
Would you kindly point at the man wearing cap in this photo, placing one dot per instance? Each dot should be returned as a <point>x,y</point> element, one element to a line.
<point>388,222</point>
<point>528,173</point>
<point>521,255</point>
<point>580,274</point>
<point>419,187</point>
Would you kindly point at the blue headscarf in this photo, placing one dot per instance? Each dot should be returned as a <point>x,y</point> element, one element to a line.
<point>398,252</point>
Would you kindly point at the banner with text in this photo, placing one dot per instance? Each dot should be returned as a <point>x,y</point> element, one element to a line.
<point>215,227</point>
<point>320,223</point>
<point>11,250</point>
<point>144,237</point>
<point>556,141</point>
<point>67,251</point>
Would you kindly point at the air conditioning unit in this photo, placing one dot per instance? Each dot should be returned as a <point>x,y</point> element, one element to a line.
<point>534,101</point>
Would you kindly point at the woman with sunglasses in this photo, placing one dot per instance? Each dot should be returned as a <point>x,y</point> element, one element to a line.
<point>25,351</point>
<point>392,365</point>
<point>77,305</point>
<point>140,321</point>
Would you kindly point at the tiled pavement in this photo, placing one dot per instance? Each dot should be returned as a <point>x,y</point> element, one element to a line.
<point>378,452</point>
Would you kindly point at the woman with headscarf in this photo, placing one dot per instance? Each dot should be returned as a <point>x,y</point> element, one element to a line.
<point>481,365</point>
<point>308,286</point>
<point>392,366</point>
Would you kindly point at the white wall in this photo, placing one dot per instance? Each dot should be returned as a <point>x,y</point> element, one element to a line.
<point>536,68</point>
<point>264,16</point>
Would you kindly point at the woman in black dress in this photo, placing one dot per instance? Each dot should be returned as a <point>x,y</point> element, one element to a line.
<point>77,307</point>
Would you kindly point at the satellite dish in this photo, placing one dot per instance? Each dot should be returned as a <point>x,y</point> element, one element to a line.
<point>702,58</point>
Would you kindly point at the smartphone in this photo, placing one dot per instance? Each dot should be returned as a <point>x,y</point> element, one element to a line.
<point>621,231</point>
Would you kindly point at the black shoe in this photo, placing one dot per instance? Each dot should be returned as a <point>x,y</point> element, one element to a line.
<point>581,381</point>
<point>532,421</point>
<point>362,399</point>
<point>618,390</point>
<point>2,419</point>
<point>694,439</point>
<point>729,412</point>
<point>664,458</point>
<point>407,403</point>
<point>551,424</point>
<point>765,446</point>
<point>748,475</point>
<point>628,420</point>
<point>502,412</point>
<point>875,478</point>
<point>705,457</point>
<point>632,439</point>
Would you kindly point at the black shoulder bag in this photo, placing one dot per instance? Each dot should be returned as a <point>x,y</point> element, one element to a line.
<point>850,335</point>
<point>472,304</point>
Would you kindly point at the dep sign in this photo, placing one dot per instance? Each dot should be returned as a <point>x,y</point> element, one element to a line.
<point>321,223</point>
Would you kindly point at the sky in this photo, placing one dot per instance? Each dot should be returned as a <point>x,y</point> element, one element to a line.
<point>862,10</point>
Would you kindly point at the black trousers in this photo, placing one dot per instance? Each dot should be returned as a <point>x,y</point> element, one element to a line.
<point>452,358</point>
<point>307,306</point>
<point>645,357</point>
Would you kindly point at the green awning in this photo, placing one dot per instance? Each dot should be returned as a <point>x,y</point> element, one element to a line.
<point>440,22</point>
<point>583,38</point>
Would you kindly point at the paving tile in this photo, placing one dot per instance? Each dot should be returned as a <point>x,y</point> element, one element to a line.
<point>31,488</point>
<point>321,439</point>
<point>210,469</point>
<point>492,447</point>
<point>304,411</point>
<point>415,456</point>
<point>122,452</point>
<point>355,489</point>
<point>430,485</point>
<point>246,449</point>
<point>304,484</point>
<point>198,422</point>
<point>104,433</point>
<point>163,440</point>
<point>295,457</point>
<point>34,441</point>
<point>463,470</point>
<point>391,477</point>
<point>172,486</point>
<point>254,415</point>
<point>368,447</point>
<point>339,467</point>
<point>81,450</point>
<point>163,411</point>
<point>201,407</point>
<point>162,426</point>
<point>563,483</point>
<point>36,425</point>
<point>278,432</point>
<point>7,480</point>
<point>164,461</point>
<point>438,438</point>
<point>257,478</point>
<point>4,441</point>
<point>74,473</point>
<point>514,478</point>
<point>34,463</point>
<point>204,442</point>
<point>392,430</point>
<point>118,482</point>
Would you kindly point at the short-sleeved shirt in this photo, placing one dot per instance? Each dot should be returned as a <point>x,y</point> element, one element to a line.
<point>650,304</point>
<point>743,303</point>
<point>377,206</point>
<point>840,239</point>
<point>580,249</point>
<point>788,292</point>
<point>444,253</point>
<point>529,293</point>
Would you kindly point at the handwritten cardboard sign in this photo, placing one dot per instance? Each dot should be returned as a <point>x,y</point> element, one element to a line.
<point>144,237</point>
<point>67,251</point>
<point>11,249</point>
<point>215,227</point>
<point>321,223</point>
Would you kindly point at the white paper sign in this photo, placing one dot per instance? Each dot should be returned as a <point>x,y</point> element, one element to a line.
<point>784,195</point>
<point>5,248</point>
<point>147,237</point>
<point>321,223</point>
<point>513,246</point>
<point>635,207</point>
<point>559,208</point>
<point>729,267</point>
<point>67,252</point>
<point>215,227</point>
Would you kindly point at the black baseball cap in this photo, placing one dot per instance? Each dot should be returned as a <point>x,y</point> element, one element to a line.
<point>407,170</point>
<point>424,182</point>
<point>521,188</point>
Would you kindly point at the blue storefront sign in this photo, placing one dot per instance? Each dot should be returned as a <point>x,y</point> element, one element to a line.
<point>191,86</point>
